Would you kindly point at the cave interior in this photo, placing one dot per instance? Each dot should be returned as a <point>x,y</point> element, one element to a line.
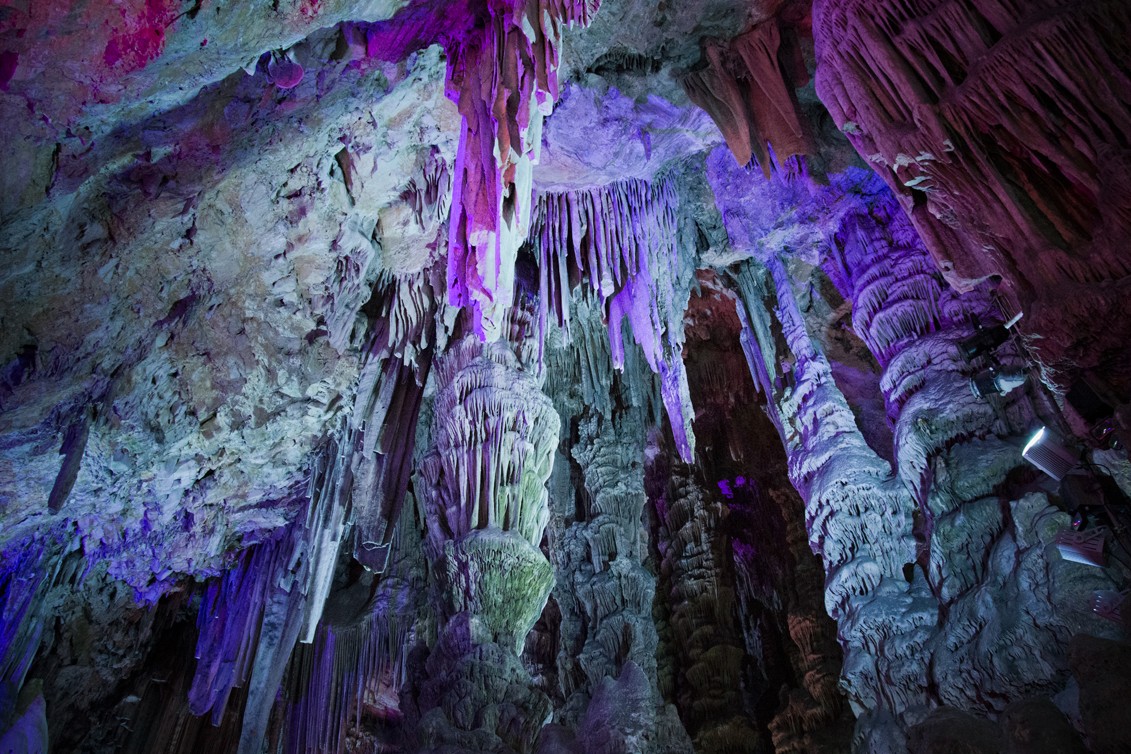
<point>565,376</point>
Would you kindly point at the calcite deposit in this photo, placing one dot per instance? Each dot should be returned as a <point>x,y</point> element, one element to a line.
<point>563,376</point>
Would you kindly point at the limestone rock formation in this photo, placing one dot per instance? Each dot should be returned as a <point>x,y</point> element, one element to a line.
<point>485,504</point>
<point>561,376</point>
<point>1001,127</point>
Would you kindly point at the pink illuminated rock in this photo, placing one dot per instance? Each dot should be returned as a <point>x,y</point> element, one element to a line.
<point>503,76</point>
<point>283,70</point>
<point>750,96</point>
<point>1003,128</point>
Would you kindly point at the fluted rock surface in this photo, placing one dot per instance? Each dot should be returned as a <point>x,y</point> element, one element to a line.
<point>872,522</point>
<point>607,662</point>
<point>1003,128</point>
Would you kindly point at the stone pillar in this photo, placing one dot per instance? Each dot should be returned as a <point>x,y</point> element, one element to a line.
<point>694,569</point>
<point>607,663</point>
<point>483,489</point>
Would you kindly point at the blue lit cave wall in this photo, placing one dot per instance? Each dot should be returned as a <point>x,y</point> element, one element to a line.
<point>565,376</point>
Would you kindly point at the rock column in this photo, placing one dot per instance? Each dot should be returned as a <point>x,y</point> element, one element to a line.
<point>485,502</point>
<point>607,662</point>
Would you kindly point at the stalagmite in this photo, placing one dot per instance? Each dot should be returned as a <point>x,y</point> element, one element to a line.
<point>702,604</point>
<point>607,661</point>
<point>485,503</point>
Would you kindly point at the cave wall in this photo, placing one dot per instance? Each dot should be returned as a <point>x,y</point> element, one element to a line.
<point>1002,127</point>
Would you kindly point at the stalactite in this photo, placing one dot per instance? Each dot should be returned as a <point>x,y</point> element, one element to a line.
<point>251,619</point>
<point>297,595</point>
<point>503,78</point>
<point>492,448</point>
<point>21,576</point>
<point>387,408</point>
<point>353,655</point>
<point>750,95</point>
<point>230,614</point>
<point>622,240</point>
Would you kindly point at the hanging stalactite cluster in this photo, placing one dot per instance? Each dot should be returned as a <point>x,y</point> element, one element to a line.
<point>623,242</point>
<point>503,78</point>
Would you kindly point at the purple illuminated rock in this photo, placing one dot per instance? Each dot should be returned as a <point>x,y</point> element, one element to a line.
<point>623,242</point>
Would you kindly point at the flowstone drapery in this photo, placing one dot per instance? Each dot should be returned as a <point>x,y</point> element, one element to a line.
<point>1003,129</point>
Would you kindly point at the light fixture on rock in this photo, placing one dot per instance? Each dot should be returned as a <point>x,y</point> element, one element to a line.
<point>1109,604</point>
<point>1048,452</point>
<point>986,339</point>
<point>1085,547</point>
<point>1085,492</point>
<point>994,381</point>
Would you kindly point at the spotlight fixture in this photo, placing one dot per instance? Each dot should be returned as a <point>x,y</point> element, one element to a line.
<point>1109,604</point>
<point>1086,547</point>
<point>996,382</point>
<point>985,339</point>
<point>1047,452</point>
